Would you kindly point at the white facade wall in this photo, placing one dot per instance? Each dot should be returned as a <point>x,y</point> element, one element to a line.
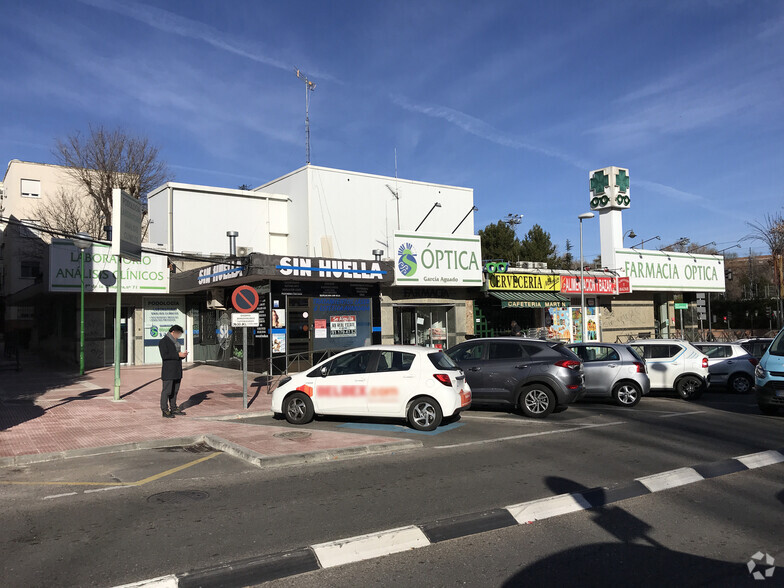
<point>349,214</point>
<point>189,218</point>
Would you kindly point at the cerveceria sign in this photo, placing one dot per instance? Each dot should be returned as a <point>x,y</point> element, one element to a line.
<point>668,270</point>
<point>442,260</point>
<point>525,282</point>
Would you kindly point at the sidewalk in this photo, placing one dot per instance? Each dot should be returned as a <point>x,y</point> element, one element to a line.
<point>46,414</point>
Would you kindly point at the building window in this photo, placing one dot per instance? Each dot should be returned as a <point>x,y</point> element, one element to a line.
<point>30,269</point>
<point>31,188</point>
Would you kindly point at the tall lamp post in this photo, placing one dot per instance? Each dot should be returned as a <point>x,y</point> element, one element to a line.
<point>82,243</point>
<point>582,217</point>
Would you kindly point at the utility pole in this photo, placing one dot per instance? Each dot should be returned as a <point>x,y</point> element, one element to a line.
<point>309,87</point>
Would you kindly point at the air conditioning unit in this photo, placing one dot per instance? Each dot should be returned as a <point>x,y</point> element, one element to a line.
<point>530,265</point>
<point>244,251</point>
<point>215,299</point>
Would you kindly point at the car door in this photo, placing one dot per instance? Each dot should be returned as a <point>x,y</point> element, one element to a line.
<point>507,366</point>
<point>720,362</point>
<point>392,382</point>
<point>601,366</point>
<point>341,385</point>
<point>656,357</point>
<point>470,357</point>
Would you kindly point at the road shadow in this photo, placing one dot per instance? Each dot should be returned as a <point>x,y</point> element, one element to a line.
<point>196,399</point>
<point>636,560</point>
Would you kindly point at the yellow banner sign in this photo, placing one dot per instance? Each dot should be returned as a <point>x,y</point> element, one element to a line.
<point>525,282</point>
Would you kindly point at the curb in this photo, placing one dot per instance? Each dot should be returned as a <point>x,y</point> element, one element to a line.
<point>381,543</point>
<point>220,444</point>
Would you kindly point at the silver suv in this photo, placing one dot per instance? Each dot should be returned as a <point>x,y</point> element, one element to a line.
<point>613,370</point>
<point>729,365</point>
<point>674,365</point>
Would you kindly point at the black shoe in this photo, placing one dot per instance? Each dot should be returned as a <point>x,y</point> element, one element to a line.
<point>167,414</point>
<point>178,411</point>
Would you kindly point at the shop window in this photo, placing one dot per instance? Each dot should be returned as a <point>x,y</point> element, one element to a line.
<point>394,361</point>
<point>501,351</point>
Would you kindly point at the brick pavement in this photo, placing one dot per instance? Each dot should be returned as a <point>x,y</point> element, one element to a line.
<point>44,411</point>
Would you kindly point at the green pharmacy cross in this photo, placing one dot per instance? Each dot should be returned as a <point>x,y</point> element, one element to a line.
<point>599,181</point>
<point>622,181</point>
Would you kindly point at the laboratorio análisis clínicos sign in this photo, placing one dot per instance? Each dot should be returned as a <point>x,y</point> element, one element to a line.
<point>100,265</point>
<point>440,260</point>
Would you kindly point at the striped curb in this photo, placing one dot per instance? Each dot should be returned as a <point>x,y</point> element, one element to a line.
<point>362,547</point>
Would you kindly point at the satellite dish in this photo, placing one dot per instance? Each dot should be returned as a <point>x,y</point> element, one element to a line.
<point>107,278</point>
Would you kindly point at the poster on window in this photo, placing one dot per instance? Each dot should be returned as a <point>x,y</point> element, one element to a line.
<point>278,342</point>
<point>343,325</point>
<point>320,328</point>
<point>560,324</point>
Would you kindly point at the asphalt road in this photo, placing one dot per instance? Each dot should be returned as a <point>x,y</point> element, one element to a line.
<point>187,512</point>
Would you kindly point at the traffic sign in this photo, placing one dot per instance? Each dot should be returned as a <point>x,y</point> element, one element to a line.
<point>245,320</point>
<point>681,306</point>
<point>245,299</point>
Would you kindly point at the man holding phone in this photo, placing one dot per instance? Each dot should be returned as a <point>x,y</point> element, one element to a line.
<point>171,371</point>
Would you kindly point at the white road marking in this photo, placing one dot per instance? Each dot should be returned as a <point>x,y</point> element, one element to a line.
<point>169,581</point>
<point>761,459</point>
<point>519,420</point>
<point>675,414</point>
<point>58,495</point>
<point>671,479</point>
<point>553,432</point>
<point>363,547</point>
<point>108,488</point>
<point>544,508</point>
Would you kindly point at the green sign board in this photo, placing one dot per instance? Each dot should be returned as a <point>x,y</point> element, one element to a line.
<point>681,306</point>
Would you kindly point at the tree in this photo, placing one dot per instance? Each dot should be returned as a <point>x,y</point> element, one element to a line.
<point>537,246</point>
<point>66,212</point>
<point>565,261</point>
<point>499,242</point>
<point>770,231</point>
<point>244,187</point>
<point>99,162</point>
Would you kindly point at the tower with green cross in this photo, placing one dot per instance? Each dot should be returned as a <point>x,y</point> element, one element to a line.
<point>609,188</point>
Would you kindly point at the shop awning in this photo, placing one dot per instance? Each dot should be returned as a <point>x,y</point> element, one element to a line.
<point>530,299</point>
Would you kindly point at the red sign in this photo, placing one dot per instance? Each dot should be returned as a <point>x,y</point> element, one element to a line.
<point>624,286</point>
<point>593,285</point>
<point>245,299</point>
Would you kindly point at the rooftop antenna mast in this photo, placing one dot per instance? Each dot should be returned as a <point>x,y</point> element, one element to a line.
<point>309,87</point>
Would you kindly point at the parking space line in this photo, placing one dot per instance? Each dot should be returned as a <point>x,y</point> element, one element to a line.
<point>518,420</point>
<point>175,470</point>
<point>59,495</point>
<point>540,433</point>
<point>676,414</point>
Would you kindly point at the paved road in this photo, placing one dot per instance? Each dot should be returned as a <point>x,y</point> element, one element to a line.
<point>220,509</point>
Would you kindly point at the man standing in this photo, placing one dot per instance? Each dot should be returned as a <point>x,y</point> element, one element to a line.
<point>516,330</point>
<point>171,371</point>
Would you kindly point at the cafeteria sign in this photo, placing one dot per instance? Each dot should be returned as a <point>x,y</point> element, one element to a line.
<point>525,282</point>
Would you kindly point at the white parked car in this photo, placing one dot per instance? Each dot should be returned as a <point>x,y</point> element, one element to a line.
<point>418,384</point>
<point>674,365</point>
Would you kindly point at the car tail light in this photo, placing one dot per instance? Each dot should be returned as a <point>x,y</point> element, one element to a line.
<point>444,379</point>
<point>572,364</point>
<point>640,367</point>
<point>704,362</point>
<point>754,361</point>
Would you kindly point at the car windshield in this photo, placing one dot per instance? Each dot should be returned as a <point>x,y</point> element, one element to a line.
<point>777,347</point>
<point>442,361</point>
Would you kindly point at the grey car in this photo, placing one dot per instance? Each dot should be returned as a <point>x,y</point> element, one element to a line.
<point>730,365</point>
<point>755,346</point>
<point>613,370</point>
<point>531,374</point>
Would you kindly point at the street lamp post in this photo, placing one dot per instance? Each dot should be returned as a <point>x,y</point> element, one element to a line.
<point>82,243</point>
<point>582,217</point>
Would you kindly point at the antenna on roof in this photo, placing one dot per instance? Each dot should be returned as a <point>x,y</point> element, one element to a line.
<point>309,87</point>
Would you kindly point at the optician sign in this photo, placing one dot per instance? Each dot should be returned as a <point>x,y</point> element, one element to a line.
<point>149,275</point>
<point>525,282</point>
<point>671,271</point>
<point>442,260</point>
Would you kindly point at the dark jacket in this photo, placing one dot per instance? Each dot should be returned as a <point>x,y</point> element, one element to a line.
<point>171,368</point>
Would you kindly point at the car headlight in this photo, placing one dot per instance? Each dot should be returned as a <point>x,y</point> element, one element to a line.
<point>760,372</point>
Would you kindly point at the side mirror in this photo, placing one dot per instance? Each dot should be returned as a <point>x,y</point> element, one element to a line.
<point>324,371</point>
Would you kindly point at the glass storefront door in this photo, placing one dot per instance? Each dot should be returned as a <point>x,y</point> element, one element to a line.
<point>427,326</point>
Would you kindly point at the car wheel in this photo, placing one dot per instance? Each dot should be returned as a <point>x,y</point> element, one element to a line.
<point>768,409</point>
<point>537,401</point>
<point>424,414</point>
<point>626,394</point>
<point>740,384</point>
<point>298,409</point>
<point>689,387</point>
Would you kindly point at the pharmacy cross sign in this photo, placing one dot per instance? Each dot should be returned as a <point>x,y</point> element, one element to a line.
<point>599,181</point>
<point>622,181</point>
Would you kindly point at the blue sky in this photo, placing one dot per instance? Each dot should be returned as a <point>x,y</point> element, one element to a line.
<point>517,100</point>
